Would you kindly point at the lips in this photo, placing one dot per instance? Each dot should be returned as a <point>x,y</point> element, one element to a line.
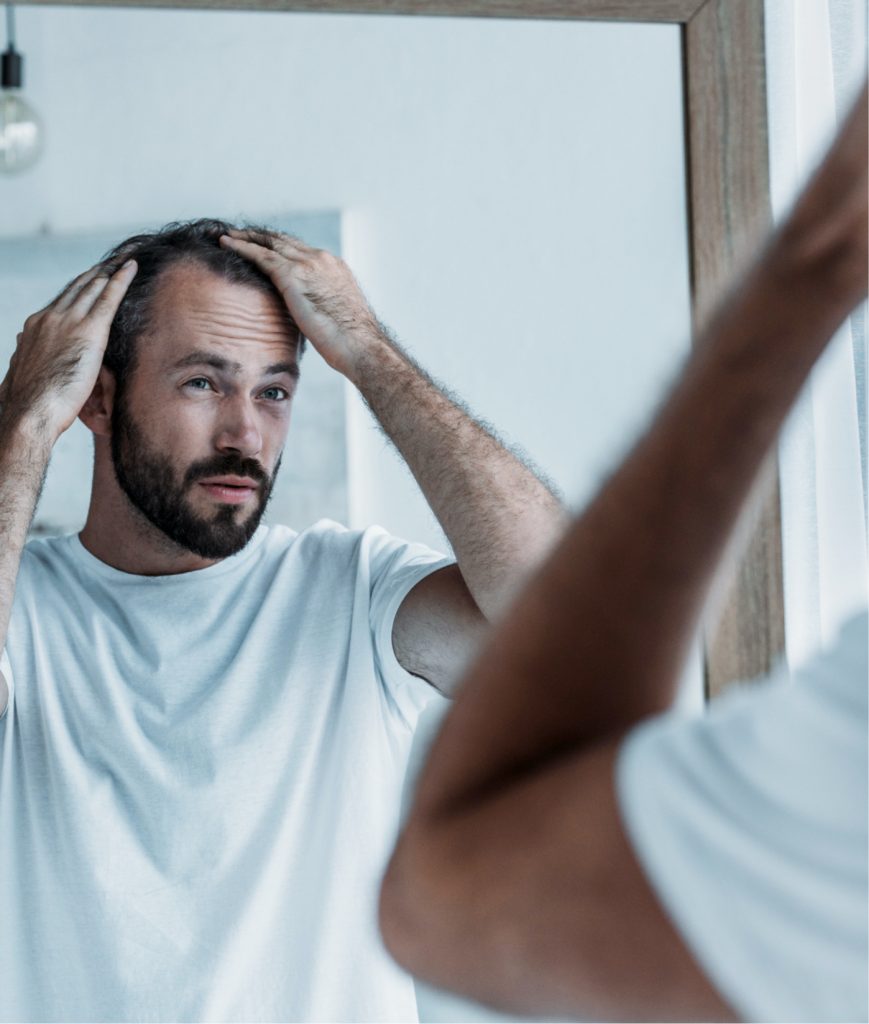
<point>230,490</point>
<point>230,481</point>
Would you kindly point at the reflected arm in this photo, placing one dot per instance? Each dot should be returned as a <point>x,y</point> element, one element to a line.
<point>499,516</point>
<point>497,513</point>
<point>24,456</point>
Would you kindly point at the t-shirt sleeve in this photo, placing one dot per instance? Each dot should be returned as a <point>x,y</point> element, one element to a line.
<point>396,566</point>
<point>751,825</point>
<point>6,669</point>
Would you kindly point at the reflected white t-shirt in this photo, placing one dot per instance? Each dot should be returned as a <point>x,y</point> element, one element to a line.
<point>200,782</point>
<point>751,824</point>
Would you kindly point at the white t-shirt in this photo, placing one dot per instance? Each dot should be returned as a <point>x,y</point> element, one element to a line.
<point>200,783</point>
<point>751,824</point>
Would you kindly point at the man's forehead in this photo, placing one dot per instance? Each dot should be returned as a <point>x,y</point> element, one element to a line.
<point>195,308</point>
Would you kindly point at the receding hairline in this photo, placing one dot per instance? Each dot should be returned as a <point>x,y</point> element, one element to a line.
<point>191,262</point>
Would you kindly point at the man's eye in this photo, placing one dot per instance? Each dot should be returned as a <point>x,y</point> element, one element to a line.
<point>197,381</point>
<point>278,394</point>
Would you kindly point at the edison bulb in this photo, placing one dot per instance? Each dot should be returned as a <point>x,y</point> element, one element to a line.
<point>20,133</point>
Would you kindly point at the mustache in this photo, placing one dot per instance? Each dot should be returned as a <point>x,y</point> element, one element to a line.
<point>226,465</point>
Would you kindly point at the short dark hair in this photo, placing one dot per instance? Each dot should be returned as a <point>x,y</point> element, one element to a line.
<point>194,241</point>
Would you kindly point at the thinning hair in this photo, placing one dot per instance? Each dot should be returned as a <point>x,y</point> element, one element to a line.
<point>192,242</point>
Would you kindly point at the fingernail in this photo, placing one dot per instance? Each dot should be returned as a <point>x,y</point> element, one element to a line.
<point>129,263</point>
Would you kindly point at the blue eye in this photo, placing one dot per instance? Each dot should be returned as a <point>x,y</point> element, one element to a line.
<point>282,391</point>
<point>197,380</point>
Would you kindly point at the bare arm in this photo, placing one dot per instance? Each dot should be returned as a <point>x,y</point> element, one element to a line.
<point>23,461</point>
<point>51,375</point>
<point>500,518</point>
<point>498,515</point>
<point>513,881</point>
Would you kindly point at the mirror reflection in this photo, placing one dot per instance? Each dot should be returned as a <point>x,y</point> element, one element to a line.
<point>508,198</point>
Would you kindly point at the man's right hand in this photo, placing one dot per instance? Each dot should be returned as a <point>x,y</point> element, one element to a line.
<point>60,351</point>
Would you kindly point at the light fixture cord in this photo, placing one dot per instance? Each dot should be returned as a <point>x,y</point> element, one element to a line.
<point>10,26</point>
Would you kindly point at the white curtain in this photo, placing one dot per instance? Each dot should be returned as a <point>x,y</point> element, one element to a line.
<point>816,61</point>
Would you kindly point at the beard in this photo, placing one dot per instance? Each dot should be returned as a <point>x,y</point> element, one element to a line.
<point>148,479</point>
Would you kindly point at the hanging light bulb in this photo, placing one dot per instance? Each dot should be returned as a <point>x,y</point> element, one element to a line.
<point>20,125</point>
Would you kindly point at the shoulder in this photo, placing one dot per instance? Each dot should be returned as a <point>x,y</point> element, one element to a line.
<point>751,824</point>
<point>324,540</point>
<point>44,555</point>
<point>817,703</point>
<point>372,546</point>
<point>48,548</point>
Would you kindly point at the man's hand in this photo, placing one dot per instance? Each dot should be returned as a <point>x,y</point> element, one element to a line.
<point>826,236</point>
<point>59,353</point>
<point>321,294</point>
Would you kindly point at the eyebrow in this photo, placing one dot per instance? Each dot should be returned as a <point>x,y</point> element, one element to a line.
<point>202,358</point>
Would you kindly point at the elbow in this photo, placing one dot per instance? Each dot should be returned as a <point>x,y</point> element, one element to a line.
<point>402,907</point>
<point>439,922</point>
<point>413,910</point>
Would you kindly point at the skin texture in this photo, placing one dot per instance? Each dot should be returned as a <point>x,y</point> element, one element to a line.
<point>513,882</point>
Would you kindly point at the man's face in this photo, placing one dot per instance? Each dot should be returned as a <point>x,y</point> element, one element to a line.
<point>197,437</point>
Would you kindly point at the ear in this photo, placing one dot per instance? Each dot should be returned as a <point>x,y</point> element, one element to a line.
<point>96,413</point>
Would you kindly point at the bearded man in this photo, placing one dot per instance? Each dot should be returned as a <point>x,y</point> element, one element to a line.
<point>207,720</point>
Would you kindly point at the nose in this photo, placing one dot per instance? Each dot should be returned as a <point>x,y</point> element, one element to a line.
<point>239,429</point>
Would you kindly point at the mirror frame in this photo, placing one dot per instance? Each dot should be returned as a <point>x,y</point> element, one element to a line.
<point>725,117</point>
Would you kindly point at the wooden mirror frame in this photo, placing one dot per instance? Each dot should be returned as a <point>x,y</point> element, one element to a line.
<point>723,66</point>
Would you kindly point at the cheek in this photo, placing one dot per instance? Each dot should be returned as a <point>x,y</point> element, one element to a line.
<point>276,432</point>
<point>178,432</point>
<point>180,418</point>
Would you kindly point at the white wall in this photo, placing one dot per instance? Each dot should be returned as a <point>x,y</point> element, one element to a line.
<point>513,197</point>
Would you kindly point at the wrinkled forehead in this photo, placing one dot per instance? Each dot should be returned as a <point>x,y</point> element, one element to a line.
<point>194,308</point>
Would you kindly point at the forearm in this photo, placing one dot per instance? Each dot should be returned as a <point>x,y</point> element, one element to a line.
<point>603,629</point>
<point>498,515</point>
<point>24,456</point>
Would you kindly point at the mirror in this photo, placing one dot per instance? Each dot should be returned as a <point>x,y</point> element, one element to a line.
<point>511,196</point>
<point>529,249</point>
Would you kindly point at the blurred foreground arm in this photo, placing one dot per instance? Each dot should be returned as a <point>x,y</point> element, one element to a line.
<point>513,881</point>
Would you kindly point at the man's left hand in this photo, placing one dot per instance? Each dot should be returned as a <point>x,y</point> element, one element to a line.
<point>321,294</point>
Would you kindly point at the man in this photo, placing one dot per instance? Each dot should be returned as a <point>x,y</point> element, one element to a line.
<point>572,851</point>
<point>209,721</point>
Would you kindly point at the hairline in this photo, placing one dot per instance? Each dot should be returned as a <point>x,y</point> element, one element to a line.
<point>193,259</point>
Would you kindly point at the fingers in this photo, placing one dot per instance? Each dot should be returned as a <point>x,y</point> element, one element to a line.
<point>286,245</point>
<point>86,297</point>
<point>92,293</point>
<point>100,295</point>
<point>240,243</point>
<point>87,284</point>
<point>107,300</point>
<point>263,239</point>
<point>250,248</point>
<point>268,260</point>
<point>72,291</point>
